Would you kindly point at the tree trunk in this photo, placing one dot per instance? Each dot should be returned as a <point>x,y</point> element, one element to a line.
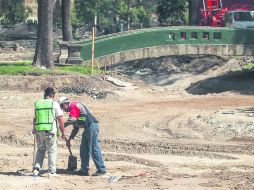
<point>44,46</point>
<point>193,12</point>
<point>128,16</point>
<point>115,4</point>
<point>66,20</point>
<point>57,13</point>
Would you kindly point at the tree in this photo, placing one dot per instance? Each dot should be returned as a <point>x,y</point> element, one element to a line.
<point>86,11</point>
<point>111,11</point>
<point>125,9</point>
<point>15,12</point>
<point>115,11</point>
<point>139,15</point>
<point>133,11</point>
<point>171,12</point>
<point>44,46</point>
<point>66,20</point>
<point>57,17</point>
<point>193,12</point>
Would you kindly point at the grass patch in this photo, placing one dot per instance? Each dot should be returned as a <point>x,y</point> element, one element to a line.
<point>26,68</point>
<point>82,69</point>
<point>249,66</point>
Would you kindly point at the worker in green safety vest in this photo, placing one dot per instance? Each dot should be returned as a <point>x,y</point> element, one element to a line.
<point>48,116</point>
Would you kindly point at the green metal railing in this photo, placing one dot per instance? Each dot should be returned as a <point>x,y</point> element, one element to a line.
<point>119,42</point>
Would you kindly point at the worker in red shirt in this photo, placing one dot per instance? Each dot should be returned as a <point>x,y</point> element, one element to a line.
<point>80,117</point>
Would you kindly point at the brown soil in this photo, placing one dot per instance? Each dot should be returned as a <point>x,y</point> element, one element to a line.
<point>188,124</point>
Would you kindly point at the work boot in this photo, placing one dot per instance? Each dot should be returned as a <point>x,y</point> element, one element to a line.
<point>99,173</point>
<point>83,173</point>
<point>36,172</point>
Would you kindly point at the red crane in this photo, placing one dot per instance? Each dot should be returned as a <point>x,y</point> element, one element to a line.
<point>212,12</point>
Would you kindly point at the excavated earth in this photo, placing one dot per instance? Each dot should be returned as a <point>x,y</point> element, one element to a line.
<point>184,123</point>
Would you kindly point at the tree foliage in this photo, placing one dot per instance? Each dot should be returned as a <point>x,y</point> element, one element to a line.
<point>85,10</point>
<point>139,15</point>
<point>15,12</point>
<point>171,12</point>
<point>112,11</point>
<point>133,12</point>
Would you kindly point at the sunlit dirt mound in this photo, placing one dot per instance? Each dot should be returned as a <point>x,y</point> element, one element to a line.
<point>196,74</point>
<point>240,82</point>
<point>94,86</point>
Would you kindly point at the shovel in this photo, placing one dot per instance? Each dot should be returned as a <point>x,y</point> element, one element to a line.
<point>72,161</point>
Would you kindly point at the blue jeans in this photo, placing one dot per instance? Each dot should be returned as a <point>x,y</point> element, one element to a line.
<point>90,146</point>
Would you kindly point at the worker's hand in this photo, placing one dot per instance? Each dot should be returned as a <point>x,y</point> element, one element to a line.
<point>68,143</point>
<point>34,131</point>
<point>66,124</point>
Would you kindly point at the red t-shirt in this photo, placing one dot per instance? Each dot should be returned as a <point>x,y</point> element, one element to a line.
<point>74,110</point>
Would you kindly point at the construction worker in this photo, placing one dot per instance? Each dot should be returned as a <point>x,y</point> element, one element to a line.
<point>47,115</point>
<point>80,117</point>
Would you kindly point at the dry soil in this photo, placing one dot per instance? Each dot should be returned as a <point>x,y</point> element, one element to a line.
<point>185,123</point>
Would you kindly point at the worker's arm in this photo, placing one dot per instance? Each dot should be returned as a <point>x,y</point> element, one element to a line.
<point>33,130</point>
<point>69,122</point>
<point>73,134</point>
<point>61,127</point>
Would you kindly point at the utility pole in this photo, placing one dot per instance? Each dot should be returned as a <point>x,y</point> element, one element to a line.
<point>93,35</point>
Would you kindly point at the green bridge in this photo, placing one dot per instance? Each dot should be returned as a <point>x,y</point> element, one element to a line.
<point>163,41</point>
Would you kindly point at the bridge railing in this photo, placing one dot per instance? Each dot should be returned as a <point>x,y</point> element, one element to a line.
<point>152,37</point>
<point>155,42</point>
<point>207,35</point>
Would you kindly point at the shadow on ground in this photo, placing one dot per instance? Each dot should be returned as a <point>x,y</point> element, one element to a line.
<point>240,82</point>
<point>25,172</point>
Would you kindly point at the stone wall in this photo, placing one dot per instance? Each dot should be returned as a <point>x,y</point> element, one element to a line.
<point>180,49</point>
<point>22,43</point>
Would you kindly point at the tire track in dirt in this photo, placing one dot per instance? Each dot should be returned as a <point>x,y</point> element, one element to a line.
<point>133,159</point>
<point>10,138</point>
<point>231,179</point>
<point>200,150</point>
<point>181,149</point>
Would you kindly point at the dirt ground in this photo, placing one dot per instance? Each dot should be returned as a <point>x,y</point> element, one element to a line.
<point>184,123</point>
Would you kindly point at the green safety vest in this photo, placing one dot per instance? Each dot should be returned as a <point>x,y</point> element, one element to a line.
<point>44,115</point>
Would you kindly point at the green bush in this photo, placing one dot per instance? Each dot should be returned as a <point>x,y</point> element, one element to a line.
<point>249,66</point>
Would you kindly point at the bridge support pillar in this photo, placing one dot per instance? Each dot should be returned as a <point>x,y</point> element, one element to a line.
<point>74,53</point>
<point>63,53</point>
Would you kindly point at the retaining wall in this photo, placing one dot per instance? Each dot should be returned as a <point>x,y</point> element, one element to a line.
<point>176,49</point>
